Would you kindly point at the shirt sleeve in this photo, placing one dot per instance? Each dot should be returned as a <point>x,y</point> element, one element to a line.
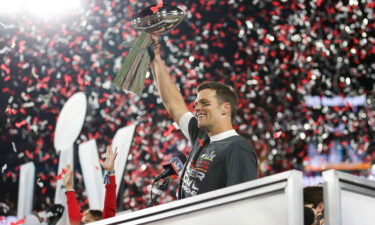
<point>110,198</point>
<point>241,164</point>
<point>184,123</point>
<point>74,211</point>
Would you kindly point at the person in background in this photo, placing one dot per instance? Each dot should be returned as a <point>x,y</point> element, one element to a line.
<point>92,215</point>
<point>308,216</point>
<point>313,199</point>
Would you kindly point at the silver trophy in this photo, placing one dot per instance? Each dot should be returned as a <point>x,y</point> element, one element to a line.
<point>154,19</point>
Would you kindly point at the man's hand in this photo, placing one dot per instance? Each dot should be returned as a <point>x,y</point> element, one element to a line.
<point>156,43</point>
<point>110,156</point>
<point>155,47</point>
<point>68,178</point>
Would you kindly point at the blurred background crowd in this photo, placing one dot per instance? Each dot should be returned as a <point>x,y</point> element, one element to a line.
<point>277,55</point>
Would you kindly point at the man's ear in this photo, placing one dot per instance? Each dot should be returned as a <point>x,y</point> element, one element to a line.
<point>225,108</point>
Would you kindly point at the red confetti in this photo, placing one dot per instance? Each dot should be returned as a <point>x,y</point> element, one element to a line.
<point>46,157</point>
<point>21,221</point>
<point>10,111</point>
<point>20,124</point>
<point>5,68</point>
<point>29,154</point>
<point>200,141</point>
<point>349,105</point>
<point>59,177</point>
<point>156,8</point>
<point>169,131</point>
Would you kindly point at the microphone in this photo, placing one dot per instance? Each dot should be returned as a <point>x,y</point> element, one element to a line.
<point>173,168</point>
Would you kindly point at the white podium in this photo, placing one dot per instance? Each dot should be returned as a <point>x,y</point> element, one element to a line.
<point>276,199</point>
<point>348,199</point>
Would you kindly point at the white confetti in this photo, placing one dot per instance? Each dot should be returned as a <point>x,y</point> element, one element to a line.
<point>14,147</point>
<point>3,25</point>
<point>40,183</point>
<point>4,168</point>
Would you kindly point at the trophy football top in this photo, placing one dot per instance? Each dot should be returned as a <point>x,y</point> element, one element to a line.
<point>165,19</point>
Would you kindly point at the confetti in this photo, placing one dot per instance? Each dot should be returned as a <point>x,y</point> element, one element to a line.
<point>200,142</point>
<point>40,183</point>
<point>171,128</point>
<point>21,221</point>
<point>156,8</point>
<point>4,168</point>
<point>59,176</point>
<point>273,53</point>
<point>14,147</point>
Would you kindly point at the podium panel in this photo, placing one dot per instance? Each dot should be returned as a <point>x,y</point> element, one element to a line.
<point>26,190</point>
<point>348,199</point>
<point>92,173</point>
<point>239,212</point>
<point>276,199</point>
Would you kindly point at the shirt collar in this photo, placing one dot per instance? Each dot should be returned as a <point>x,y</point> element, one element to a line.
<point>223,135</point>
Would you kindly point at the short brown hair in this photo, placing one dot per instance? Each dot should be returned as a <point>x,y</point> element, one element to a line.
<point>97,214</point>
<point>313,195</point>
<point>224,93</point>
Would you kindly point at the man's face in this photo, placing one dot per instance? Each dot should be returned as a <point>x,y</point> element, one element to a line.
<point>207,109</point>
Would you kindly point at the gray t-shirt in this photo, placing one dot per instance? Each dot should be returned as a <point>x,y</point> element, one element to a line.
<point>223,162</point>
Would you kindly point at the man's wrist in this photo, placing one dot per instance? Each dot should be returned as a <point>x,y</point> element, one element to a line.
<point>157,58</point>
<point>107,174</point>
<point>111,171</point>
<point>69,189</point>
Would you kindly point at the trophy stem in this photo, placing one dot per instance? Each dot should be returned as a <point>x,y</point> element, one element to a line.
<point>133,71</point>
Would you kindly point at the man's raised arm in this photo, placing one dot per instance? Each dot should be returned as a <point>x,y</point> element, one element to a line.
<point>170,95</point>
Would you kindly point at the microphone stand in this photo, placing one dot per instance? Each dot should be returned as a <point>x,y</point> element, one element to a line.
<point>162,187</point>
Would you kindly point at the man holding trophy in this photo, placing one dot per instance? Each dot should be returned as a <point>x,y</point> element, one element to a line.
<point>219,157</point>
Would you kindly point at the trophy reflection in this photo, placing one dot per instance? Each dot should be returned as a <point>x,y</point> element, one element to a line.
<point>155,19</point>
